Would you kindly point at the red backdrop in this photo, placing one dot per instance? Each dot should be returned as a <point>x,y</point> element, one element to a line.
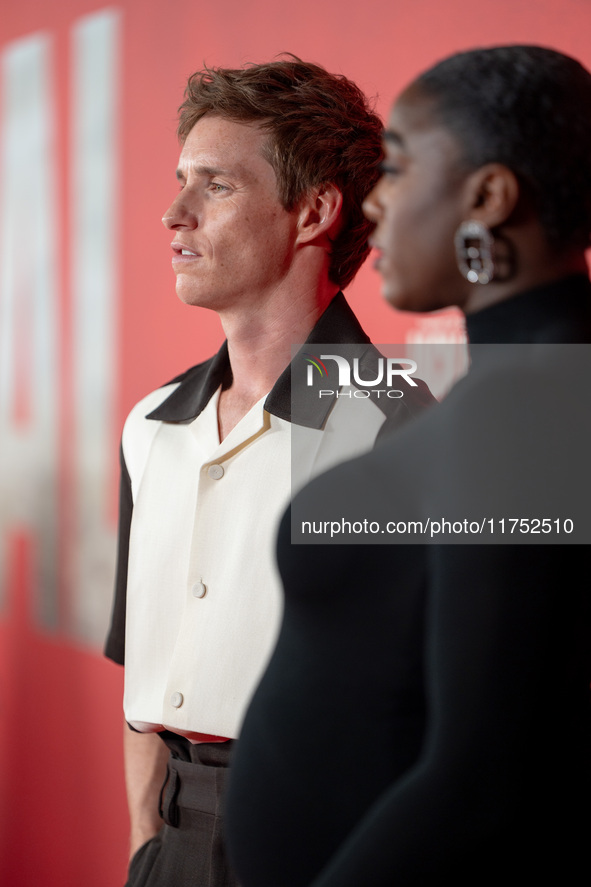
<point>89,322</point>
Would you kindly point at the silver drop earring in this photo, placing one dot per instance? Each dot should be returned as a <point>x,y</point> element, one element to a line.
<point>474,251</point>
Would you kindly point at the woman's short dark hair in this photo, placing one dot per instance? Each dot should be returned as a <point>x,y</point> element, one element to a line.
<point>528,108</point>
<point>321,130</point>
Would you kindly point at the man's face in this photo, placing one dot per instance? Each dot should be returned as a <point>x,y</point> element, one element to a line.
<point>233,241</point>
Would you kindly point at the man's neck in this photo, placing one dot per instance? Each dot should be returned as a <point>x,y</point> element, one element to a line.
<point>259,348</point>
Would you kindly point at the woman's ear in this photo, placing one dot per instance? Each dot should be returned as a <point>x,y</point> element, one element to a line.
<point>492,194</point>
<point>320,213</point>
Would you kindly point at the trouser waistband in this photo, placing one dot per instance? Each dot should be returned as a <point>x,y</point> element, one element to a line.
<point>193,785</point>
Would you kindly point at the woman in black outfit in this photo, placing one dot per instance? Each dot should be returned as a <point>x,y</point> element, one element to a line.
<point>426,713</point>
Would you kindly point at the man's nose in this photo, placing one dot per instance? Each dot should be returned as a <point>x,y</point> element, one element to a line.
<point>179,215</point>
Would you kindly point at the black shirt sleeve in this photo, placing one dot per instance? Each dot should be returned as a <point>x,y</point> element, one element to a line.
<point>115,644</point>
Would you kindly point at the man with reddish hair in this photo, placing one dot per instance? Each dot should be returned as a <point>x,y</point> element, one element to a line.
<point>266,228</point>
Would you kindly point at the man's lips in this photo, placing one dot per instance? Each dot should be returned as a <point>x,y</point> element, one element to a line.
<point>183,252</point>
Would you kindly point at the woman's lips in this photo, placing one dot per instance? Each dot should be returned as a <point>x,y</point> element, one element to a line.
<point>378,255</point>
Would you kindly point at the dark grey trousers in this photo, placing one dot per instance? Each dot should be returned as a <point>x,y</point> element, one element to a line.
<point>189,849</point>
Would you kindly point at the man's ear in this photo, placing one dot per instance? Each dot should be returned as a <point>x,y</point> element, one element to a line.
<point>320,213</point>
<point>492,194</point>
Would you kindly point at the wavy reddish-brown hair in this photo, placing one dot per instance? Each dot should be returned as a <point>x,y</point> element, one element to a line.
<point>321,130</point>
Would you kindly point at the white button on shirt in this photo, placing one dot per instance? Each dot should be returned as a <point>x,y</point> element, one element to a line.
<point>199,590</point>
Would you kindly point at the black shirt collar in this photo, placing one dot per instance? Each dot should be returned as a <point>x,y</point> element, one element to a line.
<point>338,325</point>
<point>554,313</point>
